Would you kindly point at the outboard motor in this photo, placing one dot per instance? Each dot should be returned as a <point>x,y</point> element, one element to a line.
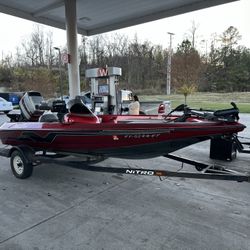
<point>228,114</point>
<point>29,106</point>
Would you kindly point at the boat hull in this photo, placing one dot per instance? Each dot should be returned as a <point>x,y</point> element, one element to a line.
<point>110,139</point>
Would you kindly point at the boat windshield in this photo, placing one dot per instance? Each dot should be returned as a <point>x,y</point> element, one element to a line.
<point>76,106</point>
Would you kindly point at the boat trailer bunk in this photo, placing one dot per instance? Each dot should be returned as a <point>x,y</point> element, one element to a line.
<point>24,159</point>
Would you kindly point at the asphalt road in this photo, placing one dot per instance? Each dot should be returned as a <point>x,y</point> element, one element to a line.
<point>64,208</point>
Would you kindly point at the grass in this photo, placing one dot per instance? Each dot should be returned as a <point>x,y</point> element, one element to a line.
<point>206,100</point>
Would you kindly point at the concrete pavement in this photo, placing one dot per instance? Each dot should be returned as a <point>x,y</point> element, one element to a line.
<point>64,208</point>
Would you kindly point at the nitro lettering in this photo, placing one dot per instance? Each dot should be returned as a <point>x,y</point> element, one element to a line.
<point>139,172</point>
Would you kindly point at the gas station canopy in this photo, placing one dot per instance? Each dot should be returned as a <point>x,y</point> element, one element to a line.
<point>90,17</point>
<point>98,16</point>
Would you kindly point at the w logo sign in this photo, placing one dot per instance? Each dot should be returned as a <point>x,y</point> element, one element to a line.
<point>102,71</point>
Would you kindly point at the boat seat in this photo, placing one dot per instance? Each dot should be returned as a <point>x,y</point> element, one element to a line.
<point>48,117</point>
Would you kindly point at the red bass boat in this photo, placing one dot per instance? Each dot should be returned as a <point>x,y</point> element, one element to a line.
<point>80,131</point>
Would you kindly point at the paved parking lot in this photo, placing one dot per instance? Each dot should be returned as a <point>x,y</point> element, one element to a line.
<point>64,208</point>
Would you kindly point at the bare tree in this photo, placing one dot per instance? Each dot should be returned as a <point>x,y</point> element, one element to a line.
<point>48,50</point>
<point>193,33</point>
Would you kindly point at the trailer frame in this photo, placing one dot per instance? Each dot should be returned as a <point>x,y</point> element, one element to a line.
<point>23,159</point>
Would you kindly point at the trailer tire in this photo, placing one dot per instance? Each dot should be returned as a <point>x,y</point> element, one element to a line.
<point>20,166</point>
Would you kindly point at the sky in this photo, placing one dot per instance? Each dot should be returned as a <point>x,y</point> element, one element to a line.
<point>217,19</point>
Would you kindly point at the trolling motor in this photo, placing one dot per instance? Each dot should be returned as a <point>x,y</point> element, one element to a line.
<point>228,114</point>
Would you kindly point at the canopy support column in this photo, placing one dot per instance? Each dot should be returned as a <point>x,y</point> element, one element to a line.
<point>71,30</point>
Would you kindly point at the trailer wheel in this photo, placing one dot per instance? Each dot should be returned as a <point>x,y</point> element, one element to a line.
<point>20,167</point>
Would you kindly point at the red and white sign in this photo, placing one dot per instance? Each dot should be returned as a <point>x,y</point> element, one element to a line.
<point>65,58</point>
<point>102,71</point>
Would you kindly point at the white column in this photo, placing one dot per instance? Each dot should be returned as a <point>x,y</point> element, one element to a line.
<point>71,30</point>
<point>168,86</point>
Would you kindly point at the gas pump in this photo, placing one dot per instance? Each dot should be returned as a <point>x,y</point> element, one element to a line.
<point>104,82</point>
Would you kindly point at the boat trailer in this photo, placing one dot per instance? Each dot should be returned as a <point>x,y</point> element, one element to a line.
<point>23,159</point>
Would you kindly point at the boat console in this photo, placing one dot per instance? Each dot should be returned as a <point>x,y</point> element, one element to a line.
<point>79,112</point>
